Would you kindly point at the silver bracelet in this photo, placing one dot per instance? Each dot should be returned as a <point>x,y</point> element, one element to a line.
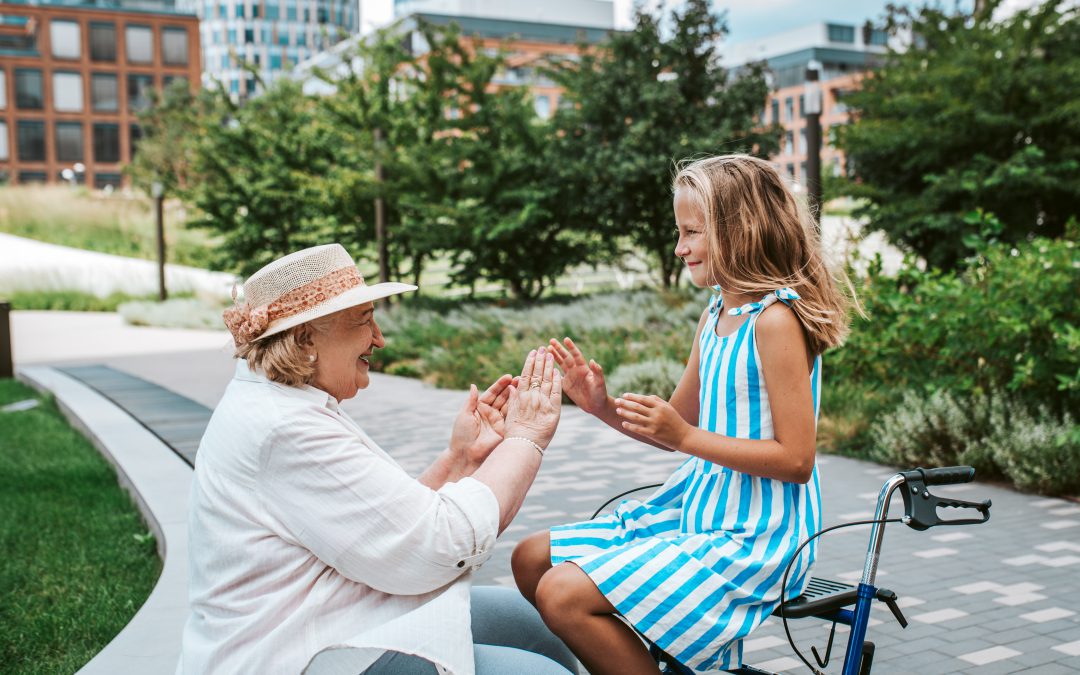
<point>527,440</point>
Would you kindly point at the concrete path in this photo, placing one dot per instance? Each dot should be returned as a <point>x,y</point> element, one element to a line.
<point>996,598</point>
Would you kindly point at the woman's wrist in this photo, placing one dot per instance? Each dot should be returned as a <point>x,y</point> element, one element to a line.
<point>526,441</point>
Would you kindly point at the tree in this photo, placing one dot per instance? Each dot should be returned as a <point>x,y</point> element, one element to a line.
<point>262,178</point>
<point>642,102</point>
<point>974,114</point>
<point>170,128</point>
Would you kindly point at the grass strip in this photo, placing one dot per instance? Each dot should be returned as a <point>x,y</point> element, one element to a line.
<point>78,561</point>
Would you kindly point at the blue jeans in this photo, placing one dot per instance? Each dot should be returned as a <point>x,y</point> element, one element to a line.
<point>508,637</point>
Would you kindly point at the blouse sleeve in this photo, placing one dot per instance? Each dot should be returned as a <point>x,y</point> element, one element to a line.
<point>365,517</point>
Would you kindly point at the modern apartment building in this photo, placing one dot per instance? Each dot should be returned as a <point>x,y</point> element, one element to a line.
<point>74,75</point>
<point>526,32</point>
<point>268,36</point>
<point>843,53</point>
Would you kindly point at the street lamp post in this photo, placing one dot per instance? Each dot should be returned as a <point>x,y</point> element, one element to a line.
<point>812,107</point>
<point>157,191</point>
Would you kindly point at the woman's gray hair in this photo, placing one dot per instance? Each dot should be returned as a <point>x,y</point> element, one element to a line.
<point>281,357</point>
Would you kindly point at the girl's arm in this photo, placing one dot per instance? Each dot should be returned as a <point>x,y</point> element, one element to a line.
<point>684,400</point>
<point>789,455</point>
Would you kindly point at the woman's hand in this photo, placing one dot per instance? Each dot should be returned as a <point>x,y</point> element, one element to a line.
<point>536,403</point>
<point>583,382</point>
<point>653,417</point>
<point>481,424</point>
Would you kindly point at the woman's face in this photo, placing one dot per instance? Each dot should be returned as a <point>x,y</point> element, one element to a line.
<point>342,352</point>
<point>693,243</point>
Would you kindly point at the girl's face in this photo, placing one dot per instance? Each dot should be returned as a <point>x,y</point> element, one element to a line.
<point>693,243</point>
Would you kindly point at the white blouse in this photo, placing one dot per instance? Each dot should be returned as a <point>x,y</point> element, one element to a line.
<point>312,550</point>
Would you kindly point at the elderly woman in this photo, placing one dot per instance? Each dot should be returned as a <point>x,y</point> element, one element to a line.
<point>310,548</point>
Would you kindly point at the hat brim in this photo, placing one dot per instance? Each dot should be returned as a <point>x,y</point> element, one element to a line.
<point>350,298</point>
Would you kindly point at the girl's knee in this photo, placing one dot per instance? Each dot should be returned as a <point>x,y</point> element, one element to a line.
<point>563,593</point>
<point>531,557</point>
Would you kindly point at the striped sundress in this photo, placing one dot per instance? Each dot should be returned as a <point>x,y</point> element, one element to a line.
<point>699,564</point>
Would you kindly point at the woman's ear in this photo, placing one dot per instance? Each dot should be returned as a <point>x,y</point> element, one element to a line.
<point>303,335</point>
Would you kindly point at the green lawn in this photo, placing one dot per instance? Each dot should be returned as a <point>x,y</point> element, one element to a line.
<point>118,224</point>
<point>77,559</point>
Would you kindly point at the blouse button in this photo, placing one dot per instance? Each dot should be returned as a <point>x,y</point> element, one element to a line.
<point>461,563</point>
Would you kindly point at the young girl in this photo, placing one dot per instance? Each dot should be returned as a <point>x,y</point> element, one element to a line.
<point>699,564</point>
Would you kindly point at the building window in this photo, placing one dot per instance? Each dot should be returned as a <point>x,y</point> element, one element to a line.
<point>776,111</point>
<point>30,140</point>
<point>231,35</point>
<point>28,177</point>
<point>789,109</point>
<point>103,42</point>
<point>67,92</point>
<point>66,39</point>
<point>275,61</point>
<point>802,141</point>
<point>802,173</point>
<point>107,180</point>
<point>139,89</point>
<point>542,106</point>
<point>249,35</point>
<point>789,143</point>
<point>239,10</point>
<point>3,89</point>
<point>69,142</point>
<point>106,143</point>
<point>272,12</point>
<point>28,89</point>
<point>104,93</point>
<point>4,152</point>
<point>791,171</point>
<point>222,12</point>
<point>838,33</point>
<point>802,105</point>
<point>255,10</point>
<point>136,136</point>
<point>174,46</point>
<point>139,41</point>
<point>877,37</point>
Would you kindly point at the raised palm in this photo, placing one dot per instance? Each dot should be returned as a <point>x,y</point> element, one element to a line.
<point>480,425</point>
<point>583,381</point>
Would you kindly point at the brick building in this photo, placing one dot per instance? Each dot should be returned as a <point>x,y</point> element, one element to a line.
<point>73,76</point>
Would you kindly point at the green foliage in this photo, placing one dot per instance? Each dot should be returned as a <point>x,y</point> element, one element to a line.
<point>74,569</point>
<point>615,329</point>
<point>975,114</point>
<point>1034,448</point>
<point>641,103</point>
<point>66,301</point>
<point>262,176</point>
<point>657,377</point>
<point>1006,323</point>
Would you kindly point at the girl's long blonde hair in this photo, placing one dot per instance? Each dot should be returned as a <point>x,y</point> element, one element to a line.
<point>762,238</point>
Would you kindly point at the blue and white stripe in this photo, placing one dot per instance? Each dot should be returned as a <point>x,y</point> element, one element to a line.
<point>699,564</point>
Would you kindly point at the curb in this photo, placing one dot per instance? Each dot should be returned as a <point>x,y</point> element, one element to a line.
<point>159,483</point>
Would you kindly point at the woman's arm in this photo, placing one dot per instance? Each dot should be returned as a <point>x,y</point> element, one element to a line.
<point>533,413</point>
<point>789,455</point>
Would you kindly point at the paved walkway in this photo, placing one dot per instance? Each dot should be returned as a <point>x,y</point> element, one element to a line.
<point>996,598</point>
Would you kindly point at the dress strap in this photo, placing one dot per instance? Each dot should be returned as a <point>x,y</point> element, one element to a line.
<point>783,294</point>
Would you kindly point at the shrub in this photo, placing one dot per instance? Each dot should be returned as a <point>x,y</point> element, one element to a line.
<point>1036,451</point>
<point>1007,323</point>
<point>655,376</point>
<point>1000,436</point>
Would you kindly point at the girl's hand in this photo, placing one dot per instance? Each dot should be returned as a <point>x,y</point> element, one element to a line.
<point>583,382</point>
<point>653,417</point>
<point>536,402</point>
<point>481,424</point>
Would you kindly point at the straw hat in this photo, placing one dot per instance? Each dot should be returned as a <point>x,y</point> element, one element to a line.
<point>300,287</point>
